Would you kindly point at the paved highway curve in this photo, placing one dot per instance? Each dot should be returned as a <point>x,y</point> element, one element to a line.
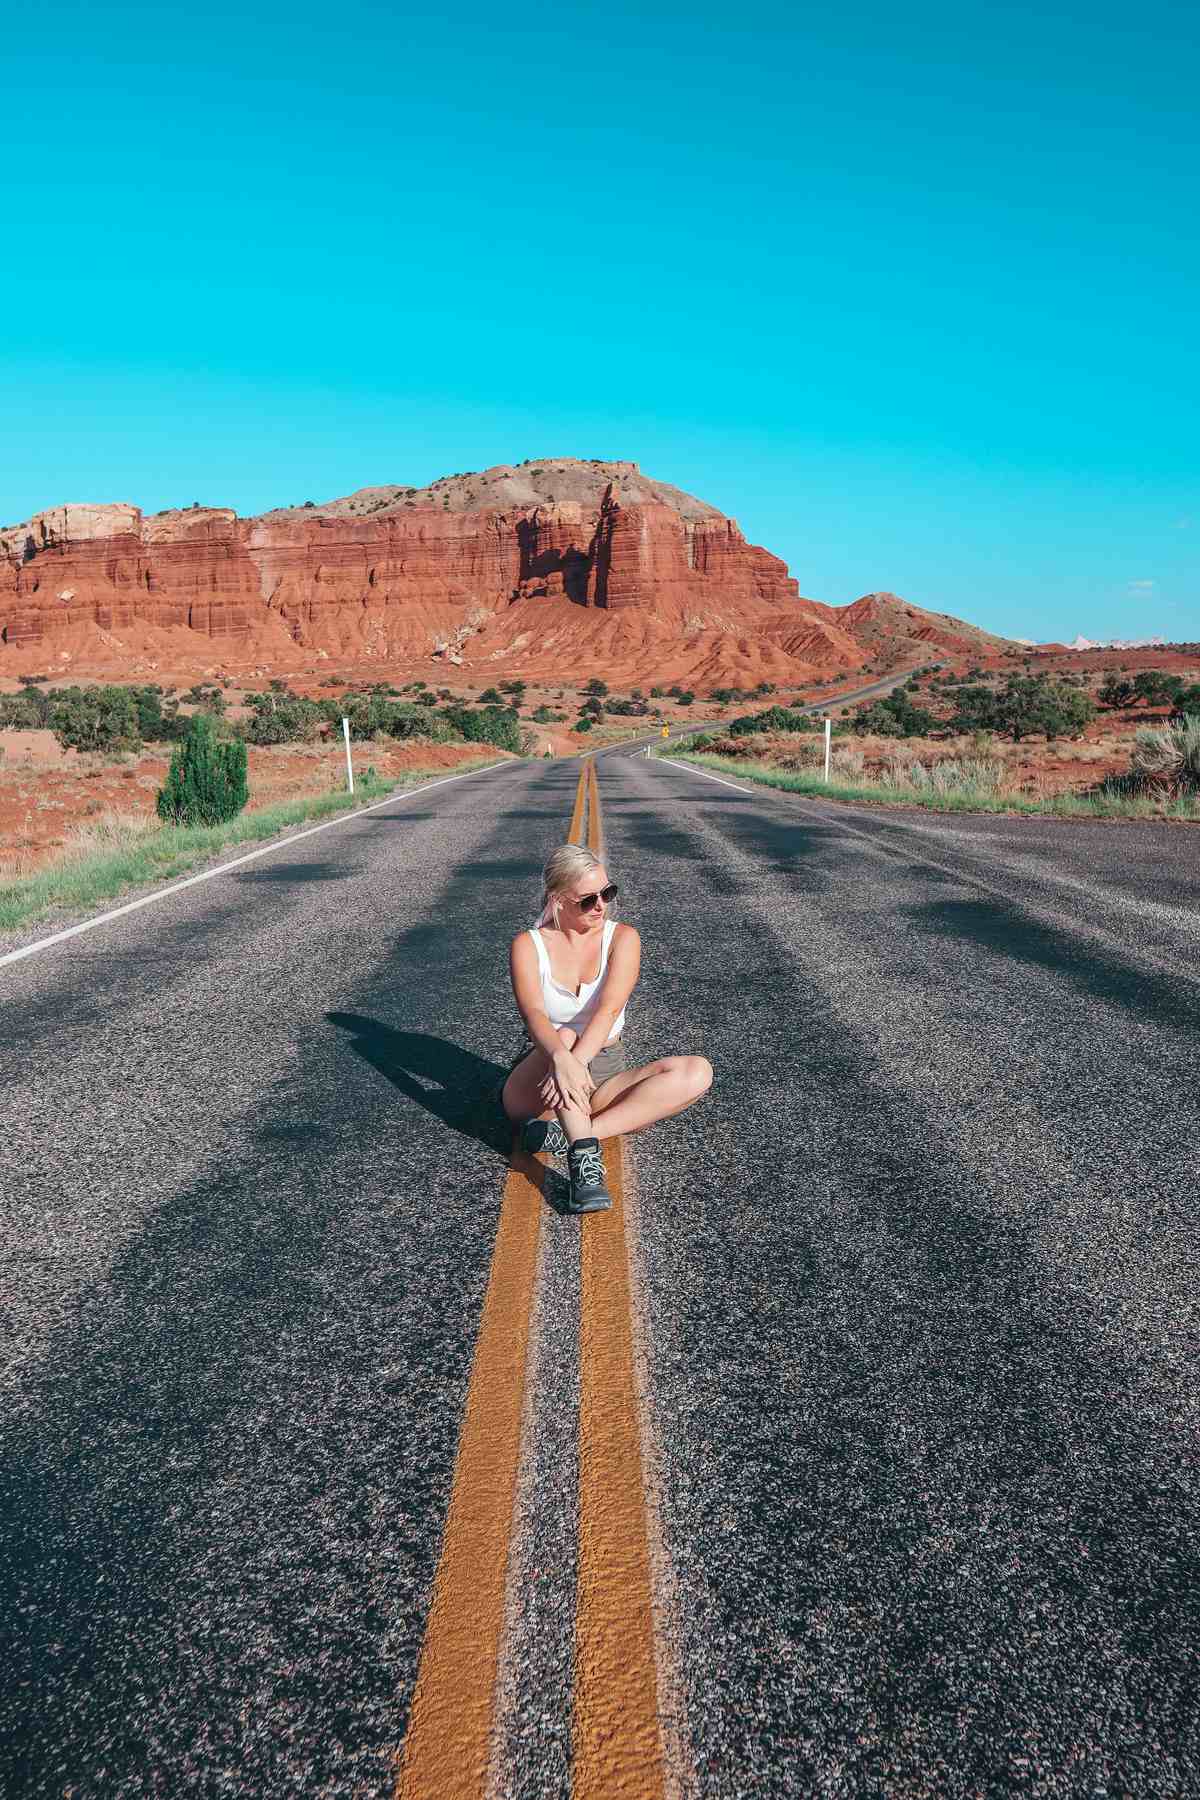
<point>904,1367</point>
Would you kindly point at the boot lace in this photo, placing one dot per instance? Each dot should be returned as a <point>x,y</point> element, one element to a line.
<point>588,1166</point>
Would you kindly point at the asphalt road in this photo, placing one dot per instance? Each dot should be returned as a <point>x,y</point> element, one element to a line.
<point>917,1281</point>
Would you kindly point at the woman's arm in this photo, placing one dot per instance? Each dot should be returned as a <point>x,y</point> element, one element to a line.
<point>620,979</point>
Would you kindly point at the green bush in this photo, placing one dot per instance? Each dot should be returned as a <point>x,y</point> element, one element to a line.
<point>1026,704</point>
<point>976,708</point>
<point>95,718</point>
<point>542,715</point>
<point>496,725</point>
<point>596,686</point>
<point>411,721</point>
<point>584,724</point>
<point>1157,687</point>
<point>158,723</point>
<point>1034,704</point>
<point>893,716</point>
<point>283,721</point>
<point>775,718</point>
<point>206,783</point>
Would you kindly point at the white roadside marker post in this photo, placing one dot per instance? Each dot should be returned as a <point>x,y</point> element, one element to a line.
<point>349,764</point>
<point>828,736</point>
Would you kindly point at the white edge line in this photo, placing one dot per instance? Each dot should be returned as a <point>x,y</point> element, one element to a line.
<point>689,769</point>
<point>891,852</point>
<point>177,887</point>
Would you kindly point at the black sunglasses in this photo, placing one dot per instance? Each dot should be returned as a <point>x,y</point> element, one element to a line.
<point>585,902</point>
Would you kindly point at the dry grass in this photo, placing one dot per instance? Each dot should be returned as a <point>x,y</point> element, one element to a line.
<point>106,832</point>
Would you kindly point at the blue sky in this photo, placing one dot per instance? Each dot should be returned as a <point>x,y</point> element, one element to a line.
<point>911,293</point>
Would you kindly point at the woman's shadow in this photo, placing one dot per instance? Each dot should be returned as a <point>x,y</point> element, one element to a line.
<point>456,1086</point>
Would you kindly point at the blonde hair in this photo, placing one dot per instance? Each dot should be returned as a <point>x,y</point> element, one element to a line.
<point>562,868</point>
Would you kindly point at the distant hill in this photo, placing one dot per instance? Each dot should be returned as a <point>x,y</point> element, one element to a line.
<point>892,628</point>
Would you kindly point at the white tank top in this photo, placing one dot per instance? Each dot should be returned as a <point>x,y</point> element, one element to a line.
<point>563,1005</point>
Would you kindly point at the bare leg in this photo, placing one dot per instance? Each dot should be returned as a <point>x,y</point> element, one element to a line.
<point>639,1097</point>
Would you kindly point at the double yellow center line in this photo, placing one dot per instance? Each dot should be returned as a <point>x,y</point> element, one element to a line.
<point>616,1738</point>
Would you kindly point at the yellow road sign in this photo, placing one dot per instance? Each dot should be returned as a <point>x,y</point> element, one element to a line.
<point>666,731</point>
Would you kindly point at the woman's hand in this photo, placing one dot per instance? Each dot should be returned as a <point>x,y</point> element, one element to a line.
<point>570,1083</point>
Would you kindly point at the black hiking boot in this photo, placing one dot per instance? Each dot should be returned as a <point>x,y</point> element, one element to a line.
<point>543,1134</point>
<point>585,1165</point>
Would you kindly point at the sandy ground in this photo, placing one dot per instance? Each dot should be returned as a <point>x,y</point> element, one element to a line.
<point>49,796</point>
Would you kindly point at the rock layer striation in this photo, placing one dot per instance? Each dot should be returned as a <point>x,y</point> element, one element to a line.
<point>536,567</point>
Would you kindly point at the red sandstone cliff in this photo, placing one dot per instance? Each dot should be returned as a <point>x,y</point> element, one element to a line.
<point>548,568</point>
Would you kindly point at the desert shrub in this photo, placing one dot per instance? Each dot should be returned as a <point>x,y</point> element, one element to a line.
<point>1026,704</point>
<point>775,718</point>
<point>277,721</point>
<point>490,697</point>
<point>583,724</point>
<point>1156,687</point>
<point>1169,756</point>
<point>975,708</point>
<point>542,715</point>
<point>21,712</point>
<point>893,716</point>
<point>1032,704</point>
<point>415,721</point>
<point>206,696</point>
<point>34,697</point>
<point>159,719</point>
<point>596,686</point>
<point>206,783</point>
<point>686,698</point>
<point>369,713</point>
<point>496,725</point>
<point>95,718</point>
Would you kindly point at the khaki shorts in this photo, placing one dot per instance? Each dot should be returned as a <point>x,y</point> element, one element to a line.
<point>610,1059</point>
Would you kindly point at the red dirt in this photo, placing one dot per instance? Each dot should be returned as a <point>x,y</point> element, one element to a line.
<point>45,792</point>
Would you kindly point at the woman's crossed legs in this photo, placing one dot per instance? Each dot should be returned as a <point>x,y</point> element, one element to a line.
<point>627,1101</point>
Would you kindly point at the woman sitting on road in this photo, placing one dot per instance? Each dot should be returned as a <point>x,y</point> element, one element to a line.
<point>572,974</point>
